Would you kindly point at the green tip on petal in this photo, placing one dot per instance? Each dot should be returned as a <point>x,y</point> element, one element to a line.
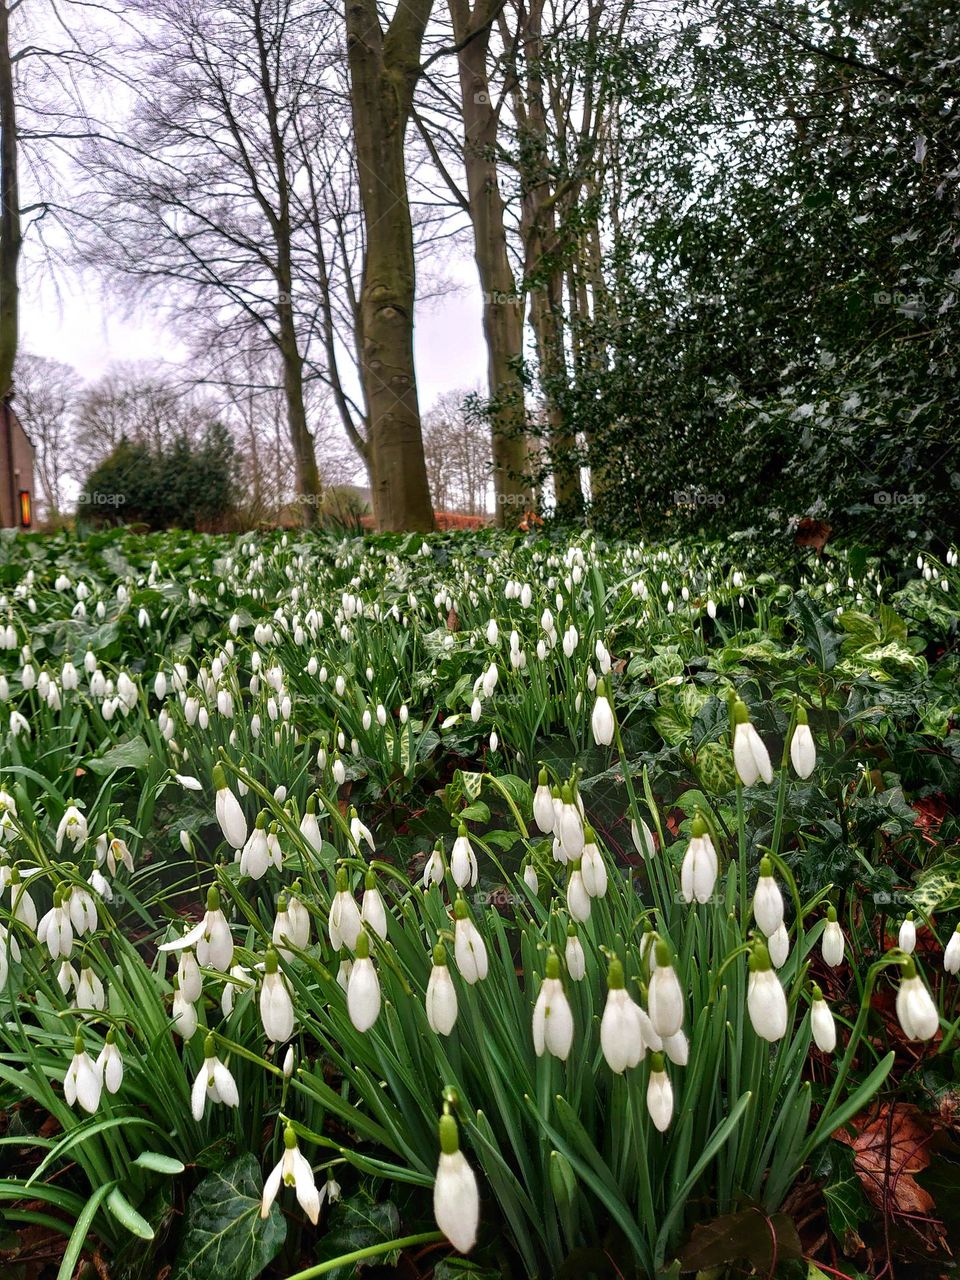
<point>589,835</point>
<point>282,903</point>
<point>801,714</point>
<point>566,793</point>
<point>909,915</point>
<point>342,881</point>
<point>698,826</point>
<point>957,930</point>
<point>312,802</point>
<point>460,909</point>
<point>209,1048</point>
<point>362,951</point>
<point>817,993</point>
<point>78,1043</point>
<point>832,914</point>
<point>213,898</point>
<point>219,777</point>
<point>909,968</point>
<point>661,953</point>
<point>271,961</point>
<point>615,979</point>
<point>439,954</point>
<point>657,1062</point>
<point>766,867</point>
<point>289,1138</point>
<point>741,712</point>
<point>449,1135</point>
<point>370,879</point>
<point>553,965</point>
<point>542,777</point>
<point>261,822</point>
<point>462,829</point>
<point>760,958</point>
<point>572,930</point>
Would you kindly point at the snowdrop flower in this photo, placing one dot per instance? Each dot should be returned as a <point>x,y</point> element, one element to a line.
<point>441,994</point>
<point>8,817</point>
<point>530,878</point>
<point>372,911</point>
<point>642,838</point>
<point>803,751</point>
<point>490,678</point>
<point>907,939</point>
<point>569,829</point>
<point>463,861</point>
<point>766,1002</point>
<point>767,901</point>
<point>83,1082</point>
<point>469,949</point>
<point>750,756</point>
<point>90,993</point>
<point>73,827</point>
<point>778,945</point>
<point>255,854</point>
<point>363,987</point>
<point>698,873</point>
<point>183,1015</point>
<point>593,869</point>
<point>239,980</point>
<point>211,937</point>
<point>344,924</point>
<point>276,1006</point>
<point>821,1023</point>
<point>951,952</point>
<point>544,813</point>
<point>83,910</point>
<point>621,1035</point>
<point>310,827</point>
<point>552,1015</point>
<point>677,1049</point>
<point>110,1064</point>
<point>832,943</point>
<point>456,1199</point>
<point>293,1170</point>
<point>339,772</point>
<point>601,721</point>
<point>292,923</point>
<point>359,831</point>
<point>659,1094</point>
<point>665,995</point>
<point>118,852</point>
<point>55,929</point>
<point>433,869</point>
<point>578,900</point>
<point>19,724</point>
<point>229,814</point>
<point>915,1008</point>
<point>214,1083</point>
<point>189,978</point>
<point>22,905</point>
<point>573,955</point>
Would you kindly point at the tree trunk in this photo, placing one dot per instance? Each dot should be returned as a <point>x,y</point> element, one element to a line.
<point>542,266</point>
<point>384,69</point>
<point>11,237</point>
<point>502,303</point>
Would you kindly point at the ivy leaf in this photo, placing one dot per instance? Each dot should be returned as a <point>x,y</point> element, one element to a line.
<point>357,1223</point>
<point>821,641</point>
<point>132,754</point>
<point>224,1235</point>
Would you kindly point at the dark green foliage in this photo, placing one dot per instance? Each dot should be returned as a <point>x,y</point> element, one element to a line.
<point>189,484</point>
<point>782,334</point>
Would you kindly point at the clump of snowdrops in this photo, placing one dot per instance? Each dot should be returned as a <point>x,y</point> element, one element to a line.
<point>605,1045</point>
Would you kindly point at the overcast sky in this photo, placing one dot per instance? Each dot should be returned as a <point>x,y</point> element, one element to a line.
<point>71,320</point>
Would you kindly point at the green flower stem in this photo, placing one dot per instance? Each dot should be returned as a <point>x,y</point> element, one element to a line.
<point>371,1251</point>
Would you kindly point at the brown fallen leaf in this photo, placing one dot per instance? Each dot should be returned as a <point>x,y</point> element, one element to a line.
<point>890,1146</point>
<point>453,620</point>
